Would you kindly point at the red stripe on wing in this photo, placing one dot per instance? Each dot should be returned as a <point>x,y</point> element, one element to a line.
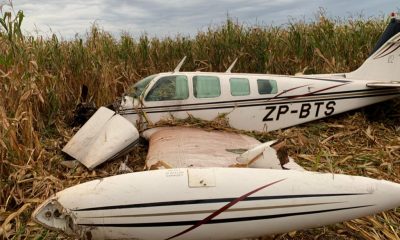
<point>222,209</point>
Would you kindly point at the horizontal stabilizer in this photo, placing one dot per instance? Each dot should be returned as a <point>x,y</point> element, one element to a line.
<point>393,84</point>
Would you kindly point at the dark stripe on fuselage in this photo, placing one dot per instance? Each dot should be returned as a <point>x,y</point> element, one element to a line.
<point>390,51</point>
<point>392,47</point>
<point>265,102</point>
<point>289,90</point>
<point>378,55</point>
<point>321,79</point>
<point>319,90</point>
<point>217,200</point>
<point>226,220</point>
<point>274,98</point>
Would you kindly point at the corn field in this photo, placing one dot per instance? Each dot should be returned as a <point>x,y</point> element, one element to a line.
<point>41,79</point>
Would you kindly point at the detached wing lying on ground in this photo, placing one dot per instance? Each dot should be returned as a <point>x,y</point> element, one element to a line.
<point>182,147</point>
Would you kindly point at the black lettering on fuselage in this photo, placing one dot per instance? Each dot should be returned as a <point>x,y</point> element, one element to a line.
<point>305,110</point>
<point>271,110</point>
<point>282,110</point>
<point>330,108</point>
<point>318,104</point>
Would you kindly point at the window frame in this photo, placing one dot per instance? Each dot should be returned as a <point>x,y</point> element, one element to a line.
<point>274,86</point>
<point>157,83</point>
<point>194,86</point>
<point>242,78</point>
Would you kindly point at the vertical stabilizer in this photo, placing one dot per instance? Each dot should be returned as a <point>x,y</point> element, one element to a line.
<point>384,62</point>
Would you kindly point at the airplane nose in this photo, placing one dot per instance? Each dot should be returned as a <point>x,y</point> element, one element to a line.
<point>52,215</point>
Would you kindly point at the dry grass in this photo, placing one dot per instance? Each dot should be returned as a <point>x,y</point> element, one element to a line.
<point>40,84</point>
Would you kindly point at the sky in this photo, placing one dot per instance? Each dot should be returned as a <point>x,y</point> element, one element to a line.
<point>161,18</point>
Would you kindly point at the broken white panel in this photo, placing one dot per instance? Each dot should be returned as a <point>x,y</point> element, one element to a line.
<point>103,137</point>
<point>265,156</point>
<point>254,153</point>
<point>77,147</point>
<point>117,135</point>
<point>268,159</point>
<point>292,165</point>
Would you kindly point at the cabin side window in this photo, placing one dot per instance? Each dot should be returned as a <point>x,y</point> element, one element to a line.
<point>206,87</point>
<point>267,86</point>
<point>169,88</point>
<point>239,86</point>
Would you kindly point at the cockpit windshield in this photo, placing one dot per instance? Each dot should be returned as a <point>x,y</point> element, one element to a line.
<point>139,87</point>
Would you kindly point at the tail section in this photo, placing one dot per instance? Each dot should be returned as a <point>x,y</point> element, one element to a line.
<point>384,62</point>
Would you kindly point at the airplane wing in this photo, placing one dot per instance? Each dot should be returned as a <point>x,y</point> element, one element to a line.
<point>183,147</point>
<point>393,84</point>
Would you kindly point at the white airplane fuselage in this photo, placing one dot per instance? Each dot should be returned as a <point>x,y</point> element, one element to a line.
<point>287,101</point>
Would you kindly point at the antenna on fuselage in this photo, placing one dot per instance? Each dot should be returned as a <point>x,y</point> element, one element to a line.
<point>180,64</point>
<point>231,66</point>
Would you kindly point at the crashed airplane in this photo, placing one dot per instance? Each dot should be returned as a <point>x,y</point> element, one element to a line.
<point>204,185</point>
<point>257,102</point>
<point>264,102</point>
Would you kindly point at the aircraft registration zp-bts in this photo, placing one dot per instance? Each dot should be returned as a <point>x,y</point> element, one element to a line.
<point>264,102</point>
